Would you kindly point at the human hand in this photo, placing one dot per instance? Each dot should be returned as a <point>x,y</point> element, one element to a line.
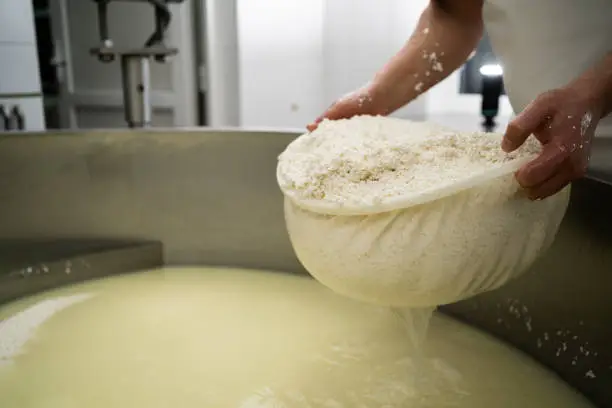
<point>564,121</point>
<point>366,100</point>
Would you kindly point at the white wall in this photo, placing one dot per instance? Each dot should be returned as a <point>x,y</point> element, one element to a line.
<point>297,56</point>
<point>281,54</point>
<point>19,78</point>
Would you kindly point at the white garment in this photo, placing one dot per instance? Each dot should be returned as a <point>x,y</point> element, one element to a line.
<point>544,44</point>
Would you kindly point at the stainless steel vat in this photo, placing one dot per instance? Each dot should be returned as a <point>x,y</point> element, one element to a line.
<point>86,204</point>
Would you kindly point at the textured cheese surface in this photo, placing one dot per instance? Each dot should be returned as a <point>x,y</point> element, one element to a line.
<point>460,243</point>
<point>369,159</point>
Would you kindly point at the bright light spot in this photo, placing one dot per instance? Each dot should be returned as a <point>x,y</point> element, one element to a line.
<point>491,70</point>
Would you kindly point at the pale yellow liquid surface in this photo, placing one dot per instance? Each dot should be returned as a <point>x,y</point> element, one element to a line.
<point>196,337</point>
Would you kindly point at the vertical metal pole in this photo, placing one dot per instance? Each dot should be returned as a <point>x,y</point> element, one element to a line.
<point>103,22</point>
<point>136,75</point>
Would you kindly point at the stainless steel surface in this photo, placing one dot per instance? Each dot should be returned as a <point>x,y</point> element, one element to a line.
<point>211,198</point>
<point>19,95</point>
<point>31,266</point>
<point>601,160</point>
<point>136,77</point>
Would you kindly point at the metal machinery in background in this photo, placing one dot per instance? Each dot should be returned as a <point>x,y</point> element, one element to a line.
<point>135,62</point>
<point>11,118</point>
<point>491,90</point>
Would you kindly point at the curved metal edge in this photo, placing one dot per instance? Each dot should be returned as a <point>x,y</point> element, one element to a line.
<point>48,265</point>
<point>260,131</point>
<point>600,166</point>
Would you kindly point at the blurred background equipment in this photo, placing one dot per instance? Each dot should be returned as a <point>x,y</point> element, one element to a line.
<point>491,90</point>
<point>135,62</point>
<point>49,70</point>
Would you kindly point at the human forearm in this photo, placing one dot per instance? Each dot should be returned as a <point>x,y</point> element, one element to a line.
<point>596,84</point>
<point>445,36</point>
